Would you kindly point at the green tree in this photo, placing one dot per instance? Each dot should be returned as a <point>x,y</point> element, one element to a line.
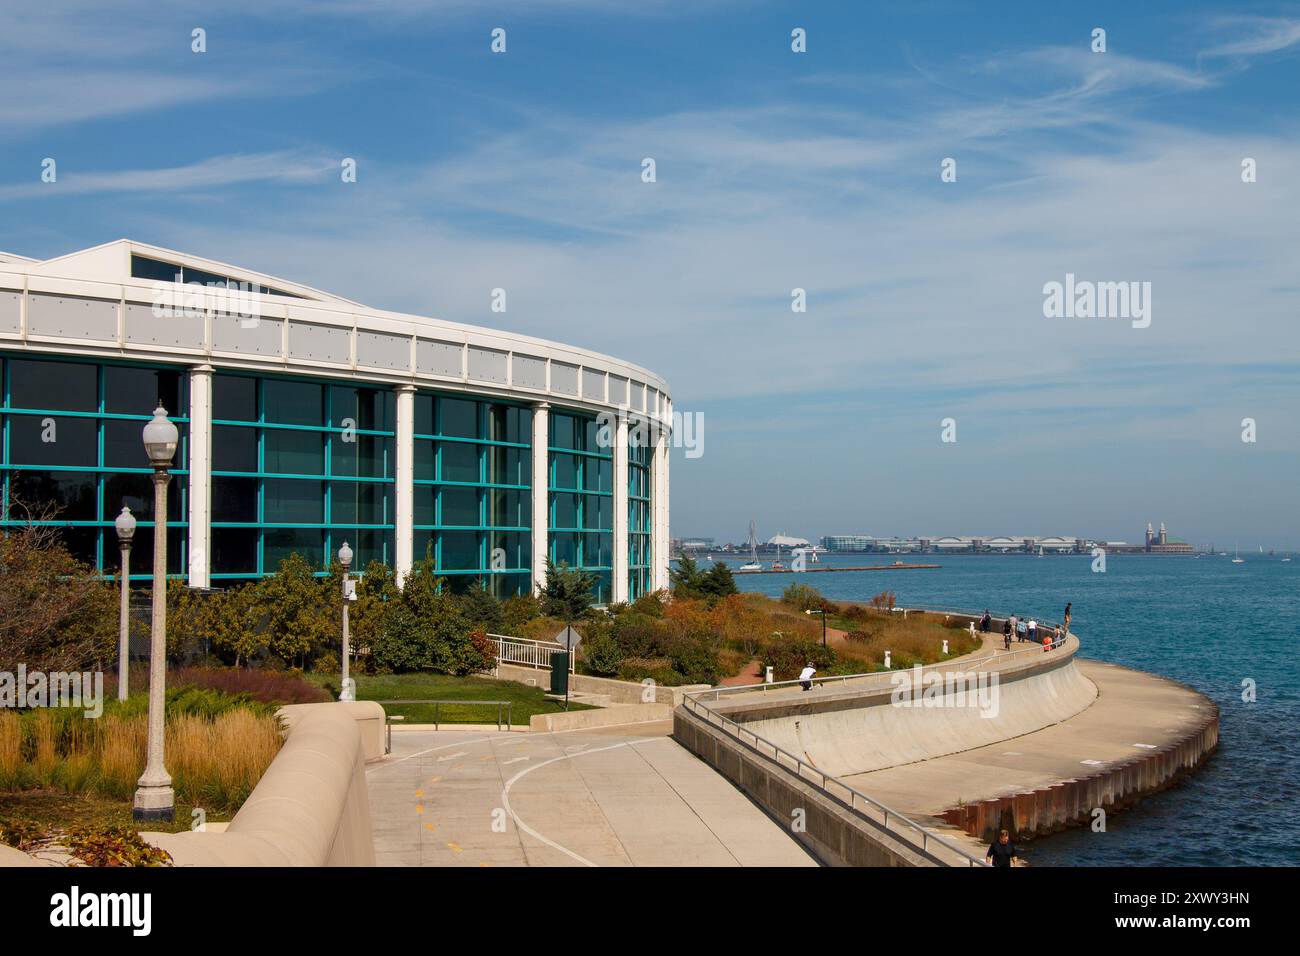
<point>230,622</point>
<point>481,608</point>
<point>377,595</point>
<point>684,580</point>
<point>55,614</point>
<point>717,583</point>
<point>301,618</point>
<point>568,592</point>
<point>425,630</point>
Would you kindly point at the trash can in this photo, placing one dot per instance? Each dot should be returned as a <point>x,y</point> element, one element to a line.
<point>560,672</point>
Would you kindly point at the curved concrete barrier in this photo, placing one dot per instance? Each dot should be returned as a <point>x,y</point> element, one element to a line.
<point>857,728</point>
<point>310,807</point>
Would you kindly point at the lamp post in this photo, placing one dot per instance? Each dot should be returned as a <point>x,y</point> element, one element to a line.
<point>125,525</point>
<point>345,559</point>
<point>154,798</point>
<point>822,612</point>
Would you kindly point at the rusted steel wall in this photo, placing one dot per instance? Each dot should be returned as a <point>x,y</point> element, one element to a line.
<point>1070,803</point>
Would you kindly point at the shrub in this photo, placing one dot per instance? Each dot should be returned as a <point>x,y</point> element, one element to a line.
<point>21,833</point>
<point>114,846</point>
<point>602,654</point>
<point>787,657</point>
<point>517,610</point>
<point>55,613</point>
<point>268,687</point>
<point>481,608</point>
<point>657,669</point>
<point>802,597</point>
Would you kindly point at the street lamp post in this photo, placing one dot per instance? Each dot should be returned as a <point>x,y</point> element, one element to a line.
<point>154,797</point>
<point>125,525</point>
<point>345,559</point>
<point>822,612</point>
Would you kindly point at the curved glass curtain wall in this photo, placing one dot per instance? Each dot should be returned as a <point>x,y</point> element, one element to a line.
<point>640,514</point>
<point>299,465</point>
<point>472,494</point>
<point>581,497</point>
<point>70,438</point>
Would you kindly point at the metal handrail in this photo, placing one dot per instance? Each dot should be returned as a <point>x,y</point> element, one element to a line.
<point>802,769</point>
<point>538,652</point>
<point>717,692</point>
<point>437,711</point>
<point>805,770</point>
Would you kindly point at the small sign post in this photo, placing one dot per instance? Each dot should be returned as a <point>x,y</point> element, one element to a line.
<point>570,639</point>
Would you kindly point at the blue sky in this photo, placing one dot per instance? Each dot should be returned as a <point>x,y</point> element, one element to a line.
<point>775,170</point>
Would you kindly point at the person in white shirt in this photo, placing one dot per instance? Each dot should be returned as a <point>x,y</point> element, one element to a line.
<point>806,676</point>
<point>1033,631</point>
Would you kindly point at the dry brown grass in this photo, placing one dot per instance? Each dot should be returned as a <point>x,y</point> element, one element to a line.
<point>918,638</point>
<point>11,746</point>
<point>214,762</point>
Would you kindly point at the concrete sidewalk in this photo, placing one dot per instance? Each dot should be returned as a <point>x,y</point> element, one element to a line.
<point>615,796</point>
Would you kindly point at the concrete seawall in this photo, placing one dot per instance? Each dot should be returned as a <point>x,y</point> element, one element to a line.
<point>851,731</point>
<point>1065,737</point>
<point>1074,800</point>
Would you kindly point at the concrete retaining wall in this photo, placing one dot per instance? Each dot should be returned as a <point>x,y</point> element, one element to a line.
<point>851,731</point>
<point>1071,802</point>
<point>831,832</point>
<point>604,717</point>
<point>367,715</point>
<point>310,807</point>
<point>618,691</point>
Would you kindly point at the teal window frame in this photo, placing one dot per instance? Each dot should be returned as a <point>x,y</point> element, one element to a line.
<point>640,516</point>
<point>496,579</point>
<point>106,561</point>
<point>586,460</point>
<point>330,433</point>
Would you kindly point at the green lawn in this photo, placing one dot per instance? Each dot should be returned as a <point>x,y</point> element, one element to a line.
<point>525,700</point>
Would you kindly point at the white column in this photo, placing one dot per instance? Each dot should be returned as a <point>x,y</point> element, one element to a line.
<point>404,473</point>
<point>619,588</point>
<point>541,498</point>
<point>200,478</point>
<point>659,541</point>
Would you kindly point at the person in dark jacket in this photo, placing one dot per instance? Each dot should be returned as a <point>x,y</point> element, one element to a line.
<point>1002,851</point>
<point>1006,633</point>
<point>986,622</point>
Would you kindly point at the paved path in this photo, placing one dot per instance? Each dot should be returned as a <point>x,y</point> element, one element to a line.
<point>619,796</point>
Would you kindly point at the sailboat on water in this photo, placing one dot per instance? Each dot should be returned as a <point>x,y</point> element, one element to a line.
<point>753,564</point>
<point>777,565</point>
<point>1238,559</point>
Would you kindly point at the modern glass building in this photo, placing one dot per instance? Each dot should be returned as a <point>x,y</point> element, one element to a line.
<point>306,420</point>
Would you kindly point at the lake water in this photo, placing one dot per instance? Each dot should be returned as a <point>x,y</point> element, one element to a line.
<point>1204,621</point>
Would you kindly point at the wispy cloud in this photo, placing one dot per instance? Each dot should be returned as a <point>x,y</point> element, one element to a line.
<point>286,167</point>
<point>1254,36</point>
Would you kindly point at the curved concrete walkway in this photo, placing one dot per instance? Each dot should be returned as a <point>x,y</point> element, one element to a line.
<point>1134,713</point>
<point>618,796</point>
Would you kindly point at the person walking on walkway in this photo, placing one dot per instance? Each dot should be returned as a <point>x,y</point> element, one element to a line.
<point>1006,634</point>
<point>1033,631</point>
<point>806,676</point>
<point>1058,637</point>
<point>986,622</point>
<point>1020,630</point>
<point>1002,851</point>
<point>1015,627</point>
